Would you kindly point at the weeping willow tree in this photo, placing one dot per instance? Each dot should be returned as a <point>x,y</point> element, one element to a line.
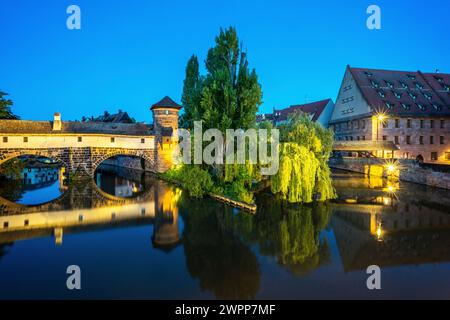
<point>304,175</point>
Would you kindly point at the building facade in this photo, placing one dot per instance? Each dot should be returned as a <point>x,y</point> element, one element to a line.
<point>319,111</point>
<point>411,109</point>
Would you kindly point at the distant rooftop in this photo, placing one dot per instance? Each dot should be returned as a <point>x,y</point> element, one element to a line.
<point>314,109</point>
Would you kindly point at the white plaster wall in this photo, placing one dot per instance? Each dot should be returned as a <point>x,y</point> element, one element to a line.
<point>358,106</point>
<point>71,141</point>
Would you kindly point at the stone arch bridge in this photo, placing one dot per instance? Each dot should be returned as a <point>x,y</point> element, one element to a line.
<point>82,160</point>
<point>81,146</point>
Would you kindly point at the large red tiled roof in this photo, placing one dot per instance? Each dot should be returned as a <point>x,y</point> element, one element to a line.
<point>404,92</point>
<point>314,109</point>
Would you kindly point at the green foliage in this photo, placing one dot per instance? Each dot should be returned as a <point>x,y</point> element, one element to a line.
<point>192,178</point>
<point>304,152</point>
<point>5,107</point>
<point>229,95</point>
<point>192,89</point>
<point>12,169</point>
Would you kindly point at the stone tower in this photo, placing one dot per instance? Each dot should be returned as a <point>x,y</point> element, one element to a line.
<point>165,127</point>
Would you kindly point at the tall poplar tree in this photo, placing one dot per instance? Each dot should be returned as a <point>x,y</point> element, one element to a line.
<point>192,88</point>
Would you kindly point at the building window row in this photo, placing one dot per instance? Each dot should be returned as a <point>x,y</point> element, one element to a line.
<point>422,123</point>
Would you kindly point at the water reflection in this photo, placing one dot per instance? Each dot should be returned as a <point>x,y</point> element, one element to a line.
<point>201,248</point>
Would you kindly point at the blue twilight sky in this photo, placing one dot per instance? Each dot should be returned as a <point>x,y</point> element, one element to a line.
<point>129,54</point>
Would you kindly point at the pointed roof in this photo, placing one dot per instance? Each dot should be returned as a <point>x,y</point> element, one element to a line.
<point>166,102</point>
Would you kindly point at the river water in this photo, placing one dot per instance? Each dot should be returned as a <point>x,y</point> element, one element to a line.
<point>134,236</point>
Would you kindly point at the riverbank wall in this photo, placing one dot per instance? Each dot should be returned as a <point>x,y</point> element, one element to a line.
<point>408,170</point>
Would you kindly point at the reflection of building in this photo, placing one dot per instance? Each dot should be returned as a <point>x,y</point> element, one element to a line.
<point>39,174</point>
<point>410,109</point>
<point>84,207</point>
<point>319,112</point>
<point>386,225</point>
<point>166,234</point>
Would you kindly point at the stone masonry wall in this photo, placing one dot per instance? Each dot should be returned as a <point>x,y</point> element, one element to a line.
<point>410,171</point>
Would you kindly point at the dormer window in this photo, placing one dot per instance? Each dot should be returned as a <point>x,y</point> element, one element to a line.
<point>439,79</point>
<point>406,106</point>
<point>437,107</point>
<point>404,85</point>
<point>374,84</point>
<point>421,106</point>
<point>381,93</point>
<point>412,77</point>
<point>369,74</point>
<point>412,95</point>
<point>446,88</point>
<point>427,95</point>
<point>389,105</point>
<point>419,85</point>
<point>389,84</point>
<point>398,95</point>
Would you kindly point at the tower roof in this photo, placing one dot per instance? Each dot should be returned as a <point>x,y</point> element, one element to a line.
<point>166,102</point>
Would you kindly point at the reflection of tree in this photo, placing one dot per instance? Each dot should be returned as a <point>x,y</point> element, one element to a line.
<point>11,190</point>
<point>221,261</point>
<point>290,233</point>
<point>4,249</point>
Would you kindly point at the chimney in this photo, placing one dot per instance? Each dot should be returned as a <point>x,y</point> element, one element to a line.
<point>57,124</point>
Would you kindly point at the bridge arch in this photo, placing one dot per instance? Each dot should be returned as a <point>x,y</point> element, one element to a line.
<point>100,157</point>
<point>54,154</point>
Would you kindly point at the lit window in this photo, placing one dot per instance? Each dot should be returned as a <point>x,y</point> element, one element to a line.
<point>434,156</point>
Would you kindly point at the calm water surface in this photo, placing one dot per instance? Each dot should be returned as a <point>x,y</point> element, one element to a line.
<point>134,236</point>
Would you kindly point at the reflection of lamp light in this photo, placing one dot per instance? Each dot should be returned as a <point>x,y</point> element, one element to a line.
<point>379,232</point>
<point>391,168</point>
